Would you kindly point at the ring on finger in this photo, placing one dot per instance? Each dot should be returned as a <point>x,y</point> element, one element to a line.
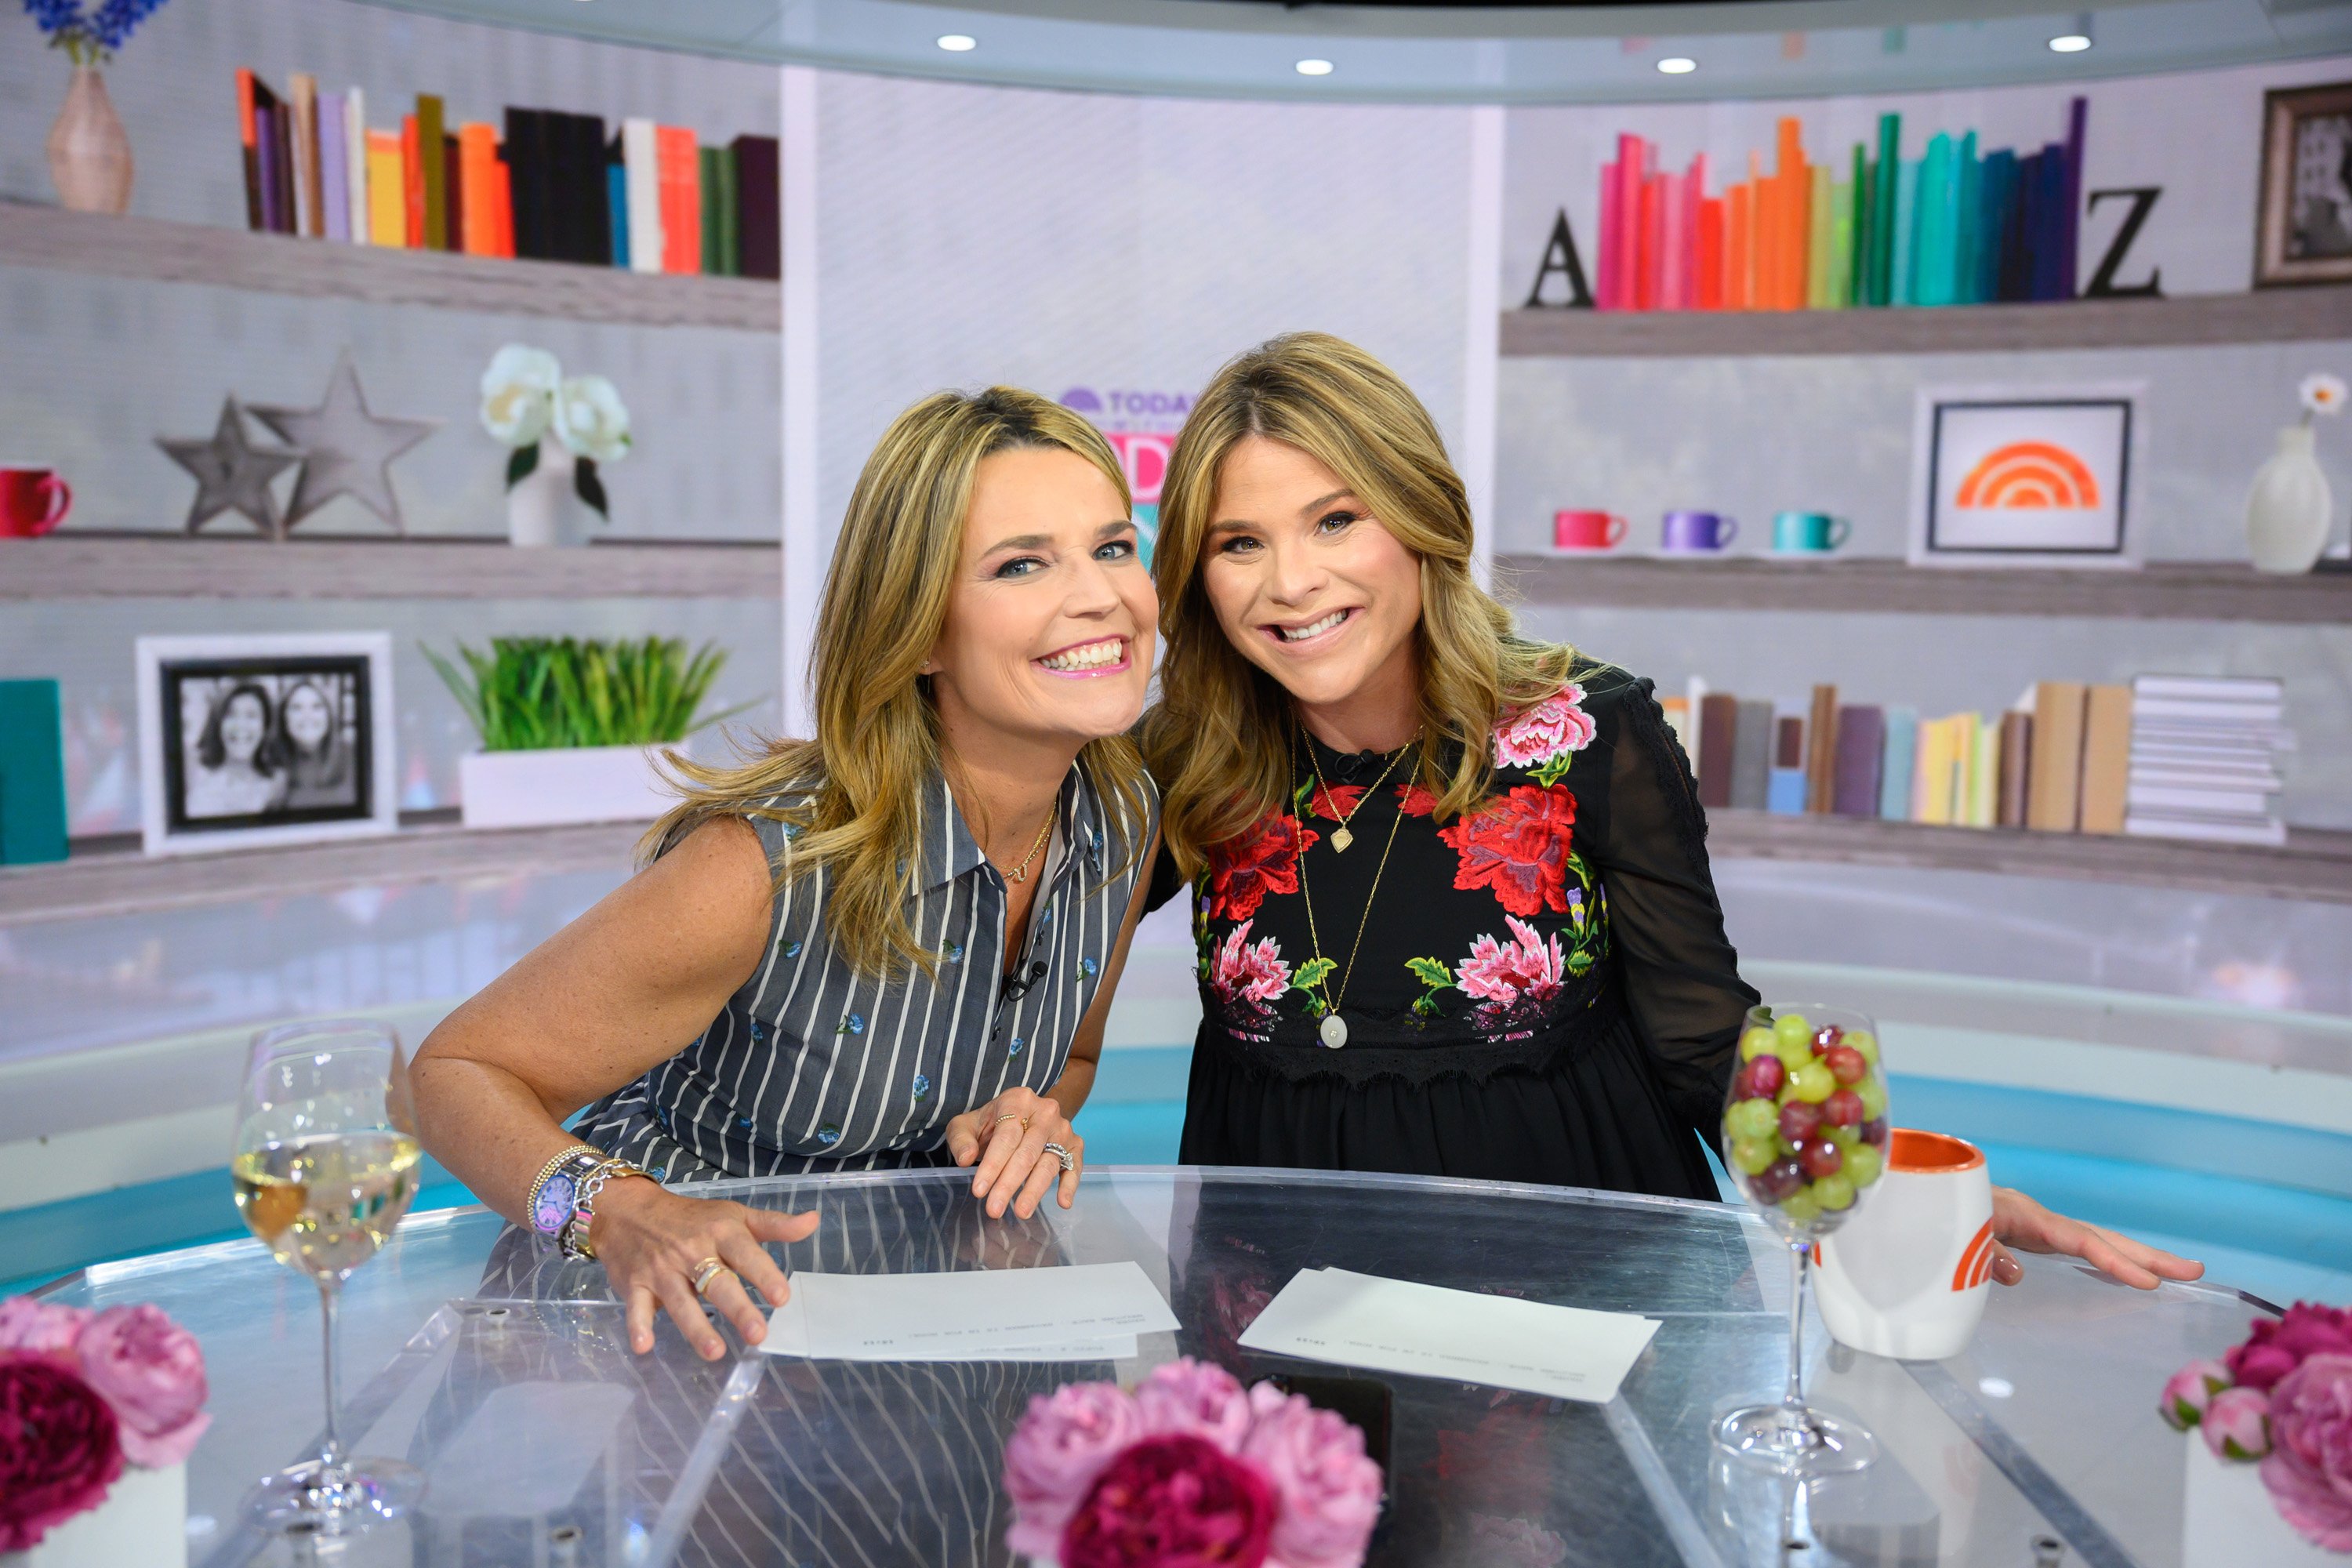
<point>1069,1161</point>
<point>1008,1116</point>
<point>707,1270</point>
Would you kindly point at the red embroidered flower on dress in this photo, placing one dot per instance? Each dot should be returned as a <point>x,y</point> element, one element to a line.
<point>1416,800</point>
<point>1517,845</point>
<point>1335,801</point>
<point>1254,862</point>
<point>1554,727</point>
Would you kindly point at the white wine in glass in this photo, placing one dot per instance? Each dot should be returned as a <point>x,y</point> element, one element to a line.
<point>325,1165</point>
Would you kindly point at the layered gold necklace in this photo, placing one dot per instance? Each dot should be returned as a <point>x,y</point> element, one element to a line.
<point>1333,1028</point>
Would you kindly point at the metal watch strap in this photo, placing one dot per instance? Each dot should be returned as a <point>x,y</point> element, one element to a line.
<point>548,1206</point>
<point>572,1239</point>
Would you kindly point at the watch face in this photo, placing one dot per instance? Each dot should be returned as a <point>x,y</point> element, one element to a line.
<point>554,1202</point>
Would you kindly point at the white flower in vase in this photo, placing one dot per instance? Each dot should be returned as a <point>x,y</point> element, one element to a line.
<point>518,392</point>
<point>591,419</point>
<point>2321,393</point>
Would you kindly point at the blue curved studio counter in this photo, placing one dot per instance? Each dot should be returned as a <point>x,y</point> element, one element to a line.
<point>2221,1130</point>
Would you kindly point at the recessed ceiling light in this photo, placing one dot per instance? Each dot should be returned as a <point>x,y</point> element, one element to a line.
<point>2069,43</point>
<point>1313,68</point>
<point>1678,65</point>
<point>958,43</point>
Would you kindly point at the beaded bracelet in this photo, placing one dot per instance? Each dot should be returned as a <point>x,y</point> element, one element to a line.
<point>557,1184</point>
<point>572,1239</point>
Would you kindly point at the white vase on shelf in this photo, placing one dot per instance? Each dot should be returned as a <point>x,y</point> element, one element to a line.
<point>142,1523</point>
<point>2289,509</point>
<point>542,512</point>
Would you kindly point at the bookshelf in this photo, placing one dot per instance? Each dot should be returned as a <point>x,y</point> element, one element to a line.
<point>163,251</point>
<point>2197,591</point>
<point>2272,315</point>
<point>70,565</point>
<point>110,877</point>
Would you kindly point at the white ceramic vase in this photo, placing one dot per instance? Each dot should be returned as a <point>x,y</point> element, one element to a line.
<point>142,1523</point>
<point>2288,509</point>
<point>2228,1519</point>
<point>561,786</point>
<point>543,512</point>
<point>90,153</point>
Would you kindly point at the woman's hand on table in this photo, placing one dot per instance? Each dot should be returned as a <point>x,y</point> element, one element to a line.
<point>1007,1137</point>
<point>2020,1222</point>
<point>651,1242</point>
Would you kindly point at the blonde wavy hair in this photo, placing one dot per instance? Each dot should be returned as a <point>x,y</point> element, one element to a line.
<point>1219,741</point>
<point>852,799</point>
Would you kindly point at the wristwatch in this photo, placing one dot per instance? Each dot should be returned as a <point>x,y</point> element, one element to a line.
<point>557,1185</point>
<point>572,1239</point>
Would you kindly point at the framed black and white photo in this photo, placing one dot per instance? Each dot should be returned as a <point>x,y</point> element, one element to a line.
<point>2025,476</point>
<point>247,740</point>
<point>2302,230</point>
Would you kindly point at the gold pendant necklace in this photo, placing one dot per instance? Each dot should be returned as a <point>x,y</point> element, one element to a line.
<point>1332,1030</point>
<point>1340,835</point>
<point>1021,873</point>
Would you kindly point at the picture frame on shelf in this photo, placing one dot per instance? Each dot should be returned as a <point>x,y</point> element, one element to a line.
<point>247,740</point>
<point>2026,475</point>
<point>2302,225</point>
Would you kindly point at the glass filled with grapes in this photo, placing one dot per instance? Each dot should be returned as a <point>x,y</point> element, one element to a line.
<point>1805,1134</point>
<point>325,1164</point>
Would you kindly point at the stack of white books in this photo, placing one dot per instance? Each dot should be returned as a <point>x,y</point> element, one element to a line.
<point>2205,758</point>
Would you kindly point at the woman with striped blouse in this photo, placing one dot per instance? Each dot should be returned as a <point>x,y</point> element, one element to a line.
<point>891,945</point>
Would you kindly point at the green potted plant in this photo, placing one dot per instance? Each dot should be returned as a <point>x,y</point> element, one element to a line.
<point>572,728</point>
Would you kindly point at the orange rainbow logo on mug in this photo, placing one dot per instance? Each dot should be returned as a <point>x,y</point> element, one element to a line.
<point>2030,473</point>
<point>1976,1263</point>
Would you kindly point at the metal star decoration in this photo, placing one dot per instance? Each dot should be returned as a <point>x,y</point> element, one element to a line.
<point>346,450</point>
<point>232,473</point>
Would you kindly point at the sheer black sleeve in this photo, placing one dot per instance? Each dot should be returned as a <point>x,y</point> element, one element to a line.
<point>1681,975</point>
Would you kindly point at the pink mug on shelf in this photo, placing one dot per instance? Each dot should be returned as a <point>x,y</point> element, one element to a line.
<point>32,501</point>
<point>1587,530</point>
<point>1908,1276</point>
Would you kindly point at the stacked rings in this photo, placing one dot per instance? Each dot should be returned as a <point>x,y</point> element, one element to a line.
<point>705,1272</point>
<point>1069,1161</point>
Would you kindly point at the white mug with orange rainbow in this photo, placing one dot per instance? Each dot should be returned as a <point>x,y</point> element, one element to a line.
<point>1908,1274</point>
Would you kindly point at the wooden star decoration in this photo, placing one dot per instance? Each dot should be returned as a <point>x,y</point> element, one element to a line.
<point>346,450</point>
<point>232,473</point>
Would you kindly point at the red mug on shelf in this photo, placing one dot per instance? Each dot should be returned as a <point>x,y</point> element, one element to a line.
<point>1587,530</point>
<point>32,501</point>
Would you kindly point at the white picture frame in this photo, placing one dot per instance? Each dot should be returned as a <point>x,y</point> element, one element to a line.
<point>270,739</point>
<point>2027,475</point>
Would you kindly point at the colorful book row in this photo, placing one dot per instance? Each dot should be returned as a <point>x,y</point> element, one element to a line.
<point>1955,227</point>
<point>547,184</point>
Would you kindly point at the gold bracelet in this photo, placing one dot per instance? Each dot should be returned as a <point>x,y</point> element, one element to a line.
<point>558,1202</point>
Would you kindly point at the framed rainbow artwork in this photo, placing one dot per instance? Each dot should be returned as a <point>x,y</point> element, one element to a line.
<point>2025,476</point>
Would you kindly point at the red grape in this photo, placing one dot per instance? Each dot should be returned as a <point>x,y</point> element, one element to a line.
<point>1827,1039</point>
<point>1778,1180</point>
<point>1843,1109</point>
<point>1821,1159</point>
<point>1800,1121</point>
<point>1874,1131</point>
<point>1766,1075</point>
<point>1849,1064</point>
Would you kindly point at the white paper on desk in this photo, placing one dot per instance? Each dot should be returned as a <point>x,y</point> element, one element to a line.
<point>1358,1319</point>
<point>977,1315</point>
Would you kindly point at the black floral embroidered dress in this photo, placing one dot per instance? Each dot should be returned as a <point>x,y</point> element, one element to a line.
<point>1544,991</point>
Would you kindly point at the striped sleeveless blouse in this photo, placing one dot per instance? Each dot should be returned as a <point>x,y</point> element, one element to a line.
<point>813,1067</point>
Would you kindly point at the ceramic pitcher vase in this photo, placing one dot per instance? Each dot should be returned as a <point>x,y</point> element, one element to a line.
<point>2288,509</point>
<point>90,153</point>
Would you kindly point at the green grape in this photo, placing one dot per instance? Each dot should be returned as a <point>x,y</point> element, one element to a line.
<point>1834,1192</point>
<point>1846,1138</point>
<point>1872,1091</point>
<point>1797,1055</point>
<point>1862,1164</point>
<point>1865,1042</point>
<point>1752,1154</point>
<point>1814,1082</point>
<point>1756,1042</point>
<point>1752,1119</point>
<point>1793,1029</point>
<point>1802,1207</point>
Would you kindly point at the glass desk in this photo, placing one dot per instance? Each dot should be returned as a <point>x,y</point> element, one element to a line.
<point>472,1351</point>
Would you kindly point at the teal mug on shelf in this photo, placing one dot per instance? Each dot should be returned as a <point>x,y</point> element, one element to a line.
<point>1808,533</point>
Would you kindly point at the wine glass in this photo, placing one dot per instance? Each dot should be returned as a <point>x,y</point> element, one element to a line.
<point>1805,1135</point>
<point>325,1164</point>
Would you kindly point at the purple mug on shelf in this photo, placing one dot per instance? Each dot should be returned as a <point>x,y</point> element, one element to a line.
<point>1697,533</point>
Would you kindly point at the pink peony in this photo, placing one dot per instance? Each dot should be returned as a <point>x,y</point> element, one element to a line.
<point>1330,1490</point>
<point>1529,967</point>
<point>2190,1390</point>
<point>2309,1471</point>
<point>1243,970</point>
<point>1195,1396</point>
<point>152,1372</point>
<point>58,1447</point>
<point>2276,1349</point>
<point>1172,1502</point>
<point>26,1324</point>
<point>2237,1424</point>
<point>1552,728</point>
<point>1055,1455</point>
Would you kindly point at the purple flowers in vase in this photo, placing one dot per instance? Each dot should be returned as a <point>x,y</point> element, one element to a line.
<point>89,37</point>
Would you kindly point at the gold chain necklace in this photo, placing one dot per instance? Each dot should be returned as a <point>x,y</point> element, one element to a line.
<point>1333,1029</point>
<point>1021,873</point>
<point>1340,835</point>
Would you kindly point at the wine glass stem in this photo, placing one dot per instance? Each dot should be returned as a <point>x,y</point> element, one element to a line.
<point>331,1453</point>
<point>1794,1399</point>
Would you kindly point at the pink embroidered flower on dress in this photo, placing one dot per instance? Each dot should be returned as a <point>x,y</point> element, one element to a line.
<point>1554,727</point>
<point>1245,972</point>
<point>1531,969</point>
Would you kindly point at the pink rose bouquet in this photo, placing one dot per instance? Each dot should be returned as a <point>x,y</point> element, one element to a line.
<point>81,1394</point>
<point>2283,1398</point>
<point>1191,1471</point>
